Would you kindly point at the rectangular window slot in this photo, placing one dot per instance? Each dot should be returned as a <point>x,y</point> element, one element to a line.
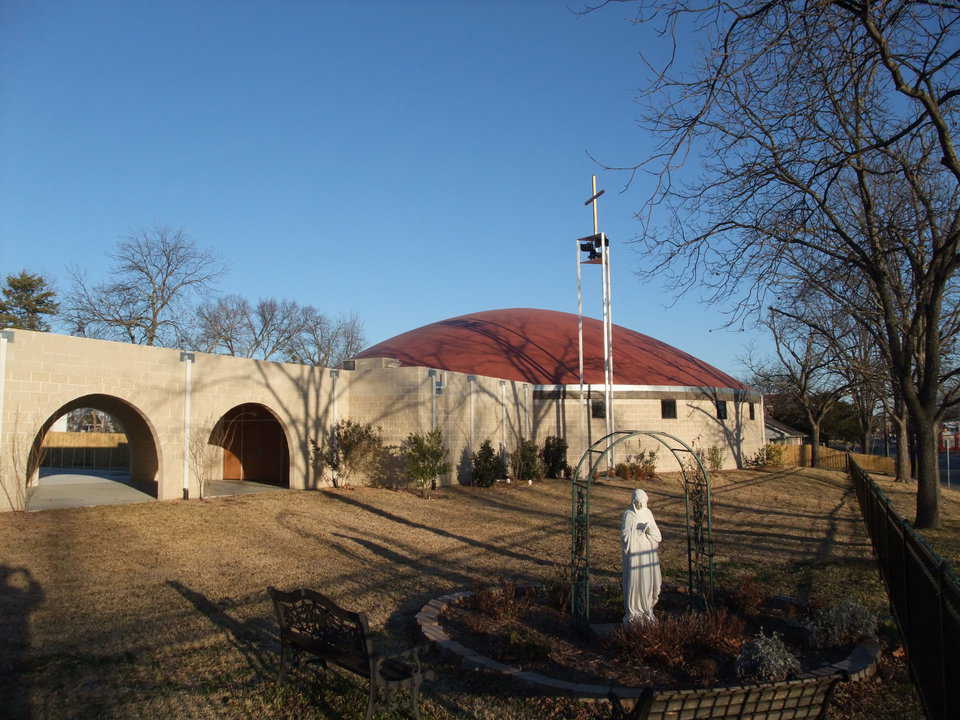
<point>598,409</point>
<point>668,409</point>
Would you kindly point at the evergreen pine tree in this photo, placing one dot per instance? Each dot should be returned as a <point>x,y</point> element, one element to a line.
<point>26,299</point>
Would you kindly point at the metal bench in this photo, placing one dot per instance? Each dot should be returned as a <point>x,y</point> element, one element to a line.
<point>312,623</point>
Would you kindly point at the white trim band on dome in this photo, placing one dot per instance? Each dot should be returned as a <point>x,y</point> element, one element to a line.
<point>645,388</point>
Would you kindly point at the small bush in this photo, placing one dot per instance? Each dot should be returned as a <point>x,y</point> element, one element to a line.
<point>526,645</point>
<point>637,468</point>
<point>715,456</point>
<point>525,462</point>
<point>488,465</point>
<point>747,597</point>
<point>766,659</point>
<point>679,642</point>
<point>425,457</point>
<point>770,455</point>
<point>502,602</point>
<point>842,624</point>
<point>554,457</point>
<point>352,449</point>
<point>558,589</point>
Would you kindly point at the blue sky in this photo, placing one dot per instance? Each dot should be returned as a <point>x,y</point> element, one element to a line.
<point>405,161</point>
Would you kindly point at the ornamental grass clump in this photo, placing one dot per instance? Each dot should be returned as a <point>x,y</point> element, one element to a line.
<point>845,623</point>
<point>766,658</point>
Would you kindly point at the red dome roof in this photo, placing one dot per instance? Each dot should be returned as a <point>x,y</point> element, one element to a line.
<point>540,347</point>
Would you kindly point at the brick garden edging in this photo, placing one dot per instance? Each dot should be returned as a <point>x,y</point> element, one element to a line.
<point>859,664</point>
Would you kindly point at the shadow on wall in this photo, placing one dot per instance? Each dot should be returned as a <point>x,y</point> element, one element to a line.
<point>316,405</point>
<point>20,594</point>
<point>465,467</point>
<point>728,432</point>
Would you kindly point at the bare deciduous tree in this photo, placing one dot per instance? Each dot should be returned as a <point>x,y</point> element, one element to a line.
<point>276,329</point>
<point>155,276</point>
<point>826,136</point>
<point>230,325</point>
<point>805,371</point>
<point>326,343</point>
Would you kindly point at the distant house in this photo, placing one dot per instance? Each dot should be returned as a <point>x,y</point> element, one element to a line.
<point>782,434</point>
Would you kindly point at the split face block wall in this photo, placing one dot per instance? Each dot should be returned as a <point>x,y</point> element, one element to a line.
<point>560,412</point>
<point>164,397</point>
<point>146,389</point>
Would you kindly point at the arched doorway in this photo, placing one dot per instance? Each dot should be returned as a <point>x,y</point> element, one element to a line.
<point>109,456</point>
<point>254,446</point>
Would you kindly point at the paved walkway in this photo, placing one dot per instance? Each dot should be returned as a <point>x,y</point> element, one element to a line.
<point>61,488</point>
<point>219,488</point>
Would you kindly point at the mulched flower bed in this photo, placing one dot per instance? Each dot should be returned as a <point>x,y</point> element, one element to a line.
<point>531,629</point>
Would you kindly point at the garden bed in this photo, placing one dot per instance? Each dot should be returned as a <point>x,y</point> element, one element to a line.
<point>525,631</point>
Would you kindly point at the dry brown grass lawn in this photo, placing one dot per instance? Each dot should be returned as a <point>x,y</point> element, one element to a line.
<point>945,539</point>
<point>160,609</point>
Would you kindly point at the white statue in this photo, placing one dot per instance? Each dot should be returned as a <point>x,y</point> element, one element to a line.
<point>641,564</point>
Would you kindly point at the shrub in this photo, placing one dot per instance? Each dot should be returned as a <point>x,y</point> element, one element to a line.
<point>679,642</point>
<point>747,597</point>
<point>425,457</point>
<point>502,602</point>
<point>526,645</point>
<point>770,455</point>
<point>488,465</point>
<point>525,462</point>
<point>646,464</point>
<point>558,589</point>
<point>639,467</point>
<point>352,449</point>
<point>555,457</point>
<point>842,624</point>
<point>715,457</point>
<point>766,659</point>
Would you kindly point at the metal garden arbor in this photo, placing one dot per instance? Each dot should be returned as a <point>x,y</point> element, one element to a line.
<point>696,500</point>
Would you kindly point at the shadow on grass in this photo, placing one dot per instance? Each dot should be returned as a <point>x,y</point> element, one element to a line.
<point>20,594</point>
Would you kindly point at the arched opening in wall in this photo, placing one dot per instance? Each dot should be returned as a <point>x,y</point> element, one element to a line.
<point>95,450</point>
<point>254,449</point>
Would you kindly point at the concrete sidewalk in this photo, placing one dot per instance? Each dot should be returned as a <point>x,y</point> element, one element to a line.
<point>59,488</point>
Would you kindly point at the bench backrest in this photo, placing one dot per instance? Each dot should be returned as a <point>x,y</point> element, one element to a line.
<point>791,700</point>
<point>338,632</point>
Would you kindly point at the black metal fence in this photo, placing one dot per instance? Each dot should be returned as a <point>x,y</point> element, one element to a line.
<point>924,597</point>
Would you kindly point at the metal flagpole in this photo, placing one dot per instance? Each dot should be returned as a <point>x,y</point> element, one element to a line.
<point>611,423</point>
<point>605,294</point>
<point>584,419</point>
<point>591,244</point>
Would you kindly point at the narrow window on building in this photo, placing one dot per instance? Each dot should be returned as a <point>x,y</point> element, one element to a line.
<point>753,415</point>
<point>721,409</point>
<point>668,409</point>
<point>598,409</point>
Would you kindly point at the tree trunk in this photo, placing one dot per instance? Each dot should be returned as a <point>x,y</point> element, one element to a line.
<point>815,447</point>
<point>903,450</point>
<point>928,477</point>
